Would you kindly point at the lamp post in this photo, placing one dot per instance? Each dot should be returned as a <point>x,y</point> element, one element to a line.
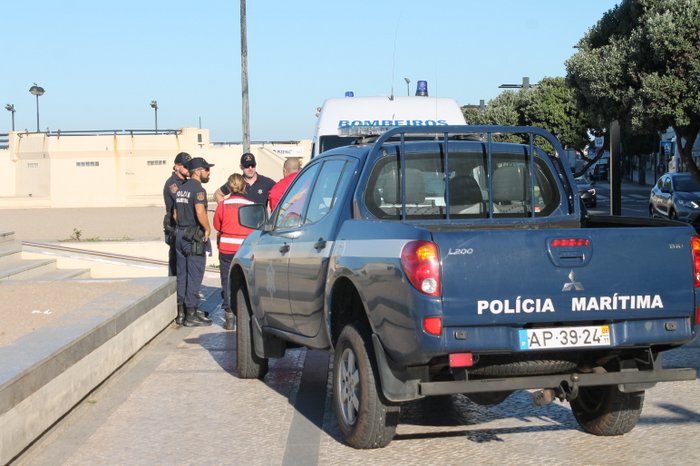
<point>154,106</point>
<point>37,91</point>
<point>11,108</point>
<point>408,89</point>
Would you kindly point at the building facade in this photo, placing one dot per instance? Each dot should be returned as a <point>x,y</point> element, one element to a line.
<point>119,168</point>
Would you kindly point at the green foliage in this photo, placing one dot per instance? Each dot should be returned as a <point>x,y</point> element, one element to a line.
<point>550,105</point>
<point>640,64</point>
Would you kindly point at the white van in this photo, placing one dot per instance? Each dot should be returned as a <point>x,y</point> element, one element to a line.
<point>343,113</point>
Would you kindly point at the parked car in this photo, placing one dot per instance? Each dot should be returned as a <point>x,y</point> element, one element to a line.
<point>587,191</point>
<point>599,171</point>
<point>676,196</point>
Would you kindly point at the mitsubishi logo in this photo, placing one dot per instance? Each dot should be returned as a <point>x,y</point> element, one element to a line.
<point>572,284</point>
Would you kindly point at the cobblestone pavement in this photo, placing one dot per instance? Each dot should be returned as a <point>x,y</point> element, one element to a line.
<point>179,401</point>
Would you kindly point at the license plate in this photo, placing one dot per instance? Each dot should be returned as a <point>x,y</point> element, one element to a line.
<point>564,337</point>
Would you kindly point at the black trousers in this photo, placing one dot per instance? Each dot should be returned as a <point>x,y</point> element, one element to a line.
<point>224,267</point>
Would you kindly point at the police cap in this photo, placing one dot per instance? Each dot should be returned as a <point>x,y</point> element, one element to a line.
<point>248,160</point>
<point>198,162</point>
<point>182,158</point>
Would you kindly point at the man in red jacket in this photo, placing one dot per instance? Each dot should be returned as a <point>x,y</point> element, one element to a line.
<point>229,239</point>
<point>289,171</point>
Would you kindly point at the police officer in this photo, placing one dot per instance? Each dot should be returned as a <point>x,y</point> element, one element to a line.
<point>257,185</point>
<point>192,237</point>
<point>172,184</point>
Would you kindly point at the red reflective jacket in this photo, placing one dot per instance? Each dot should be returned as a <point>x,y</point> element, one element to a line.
<point>231,233</point>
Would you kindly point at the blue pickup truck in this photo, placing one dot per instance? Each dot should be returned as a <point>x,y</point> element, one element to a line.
<point>442,261</point>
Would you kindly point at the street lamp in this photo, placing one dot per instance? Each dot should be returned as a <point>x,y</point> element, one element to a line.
<point>154,106</point>
<point>37,91</point>
<point>11,108</point>
<point>408,89</point>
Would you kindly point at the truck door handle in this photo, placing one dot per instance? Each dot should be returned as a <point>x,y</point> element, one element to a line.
<point>284,248</point>
<point>320,244</point>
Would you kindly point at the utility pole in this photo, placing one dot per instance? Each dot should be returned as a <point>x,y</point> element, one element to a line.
<point>614,170</point>
<point>244,79</point>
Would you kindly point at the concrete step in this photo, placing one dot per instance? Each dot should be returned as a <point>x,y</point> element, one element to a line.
<point>23,269</point>
<point>60,340</point>
<point>7,236</point>
<point>10,251</point>
<point>57,274</point>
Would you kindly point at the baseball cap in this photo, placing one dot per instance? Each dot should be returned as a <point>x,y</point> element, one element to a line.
<point>198,162</point>
<point>182,158</point>
<point>247,159</point>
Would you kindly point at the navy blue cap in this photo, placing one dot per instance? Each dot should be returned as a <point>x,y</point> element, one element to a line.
<point>198,162</point>
<point>182,158</point>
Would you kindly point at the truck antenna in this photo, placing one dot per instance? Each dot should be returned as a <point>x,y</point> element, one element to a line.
<point>393,58</point>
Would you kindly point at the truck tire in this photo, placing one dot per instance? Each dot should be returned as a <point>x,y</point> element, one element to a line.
<point>364,418</point>
<point>606,411</point>
<point>248,364</point>
<point>520,368</point>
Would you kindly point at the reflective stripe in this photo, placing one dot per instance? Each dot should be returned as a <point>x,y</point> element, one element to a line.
<point>238,200</point>
<point>231,240</point>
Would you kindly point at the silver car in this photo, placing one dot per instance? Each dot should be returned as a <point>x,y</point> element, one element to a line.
<point>676,196</point>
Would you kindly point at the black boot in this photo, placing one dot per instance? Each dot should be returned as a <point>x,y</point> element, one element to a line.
<point>191,319</point>
<point>203,316</point>
<point>229,320</point>
<point>180,319</point>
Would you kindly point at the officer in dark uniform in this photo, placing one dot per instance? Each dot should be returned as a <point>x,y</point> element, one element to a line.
<point>172,184</point>
<point>257,185</point>
<point>192,238</point>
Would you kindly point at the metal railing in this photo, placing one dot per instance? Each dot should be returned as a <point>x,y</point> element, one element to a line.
<point>104,132</point>
<point>4,140</point>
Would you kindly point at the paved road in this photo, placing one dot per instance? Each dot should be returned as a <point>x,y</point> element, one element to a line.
<point>179,402</point>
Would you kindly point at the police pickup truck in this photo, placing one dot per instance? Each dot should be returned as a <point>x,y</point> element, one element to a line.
<point>441,261</point>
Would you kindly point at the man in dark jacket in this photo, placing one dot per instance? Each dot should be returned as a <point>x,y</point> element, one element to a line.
<point>172,184</point>
<point>193,232</point>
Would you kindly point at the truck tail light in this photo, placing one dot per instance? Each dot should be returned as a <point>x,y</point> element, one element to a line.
<point>695,246</point>
<point>461,359</point>
<point>432,325</point>
<point>421,264</point>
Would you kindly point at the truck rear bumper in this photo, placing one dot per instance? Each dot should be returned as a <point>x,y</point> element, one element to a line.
<point>554,381</point>
<point>405,387</point>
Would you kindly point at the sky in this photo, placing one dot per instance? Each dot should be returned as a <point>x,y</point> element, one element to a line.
<point>101,63</point>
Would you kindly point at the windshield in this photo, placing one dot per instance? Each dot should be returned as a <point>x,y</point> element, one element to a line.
<point>686,184</point>
<point>331,142</point>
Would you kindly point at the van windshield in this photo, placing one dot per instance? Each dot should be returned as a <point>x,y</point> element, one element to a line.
<point>331,142</point>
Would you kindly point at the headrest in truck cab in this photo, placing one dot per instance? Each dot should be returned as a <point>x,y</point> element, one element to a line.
<point>509,184</point>
<point>415,188</point>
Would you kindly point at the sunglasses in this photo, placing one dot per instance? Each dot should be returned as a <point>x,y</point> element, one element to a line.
<point>249,166</point>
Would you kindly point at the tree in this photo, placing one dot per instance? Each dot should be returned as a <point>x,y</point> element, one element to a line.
<point>550,105</point>
<point>640,64</point>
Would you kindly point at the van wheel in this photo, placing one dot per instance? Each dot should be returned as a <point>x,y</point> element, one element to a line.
<point>365,419</point>
<point>248,364</point>
<point>606,411</point>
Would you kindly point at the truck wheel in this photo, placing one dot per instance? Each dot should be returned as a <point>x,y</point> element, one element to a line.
<point>606,410</point>
<point>248,364</point>
<point>364,418</point>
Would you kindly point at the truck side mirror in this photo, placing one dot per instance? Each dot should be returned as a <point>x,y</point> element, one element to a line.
<point>252,216</point>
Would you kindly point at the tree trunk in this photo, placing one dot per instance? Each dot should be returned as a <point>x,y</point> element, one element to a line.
<point>686,150</point>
